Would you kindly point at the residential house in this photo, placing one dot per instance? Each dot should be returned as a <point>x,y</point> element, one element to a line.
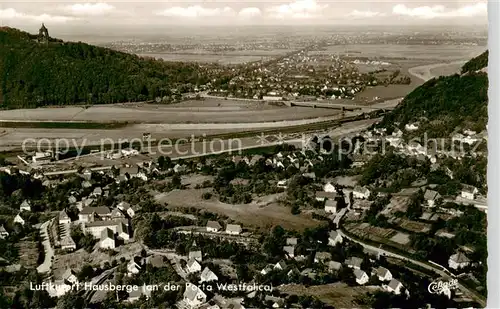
<point>194,296</point>
<point>195,255</point>
<point>97,192</point>
<point>321,196</point>
<point>394,286</point>
<point>330,188</point>
<point>86,184</point>
<point>361,192</point>
<point>207,275</point>
<point>267,269</point>
<point>469,192</point>
<point>89,213</point>
<point>126,208</point>
<point>87,174</point>
<point>354,262</point>
<point>64,218</point>
<point>3,232</point>
<point>25,206</point>
<point>431,197</point>
<point>291,241</point>
<point>122,231</point>
<point>334,238</point>
<point>193,266</point>
<point>136,294</point>
<point>69,276</point>
<point>289,251</point>
<point>95,228</point>
<point>117,214</point>
<point>277,302</point>
<point>458,260</point>
<point>334,266</point>
<point>233,229</point>
<point>19,219</point>
<point>331,206</point>
<point>281,265</point>
<point>213,226</point>
<point>72,199</point>
<point>361,276</point>
<point>322,257</point>
<point>133,267</point>
<point>67,243</point>
<point>107,239</point>
<point>282,184</point>
<point>383,274</point>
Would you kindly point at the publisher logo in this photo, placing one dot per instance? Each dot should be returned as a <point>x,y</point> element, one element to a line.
<point>440,287</point>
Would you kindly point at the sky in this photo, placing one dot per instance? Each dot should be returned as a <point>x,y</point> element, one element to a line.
<point>65,16</point>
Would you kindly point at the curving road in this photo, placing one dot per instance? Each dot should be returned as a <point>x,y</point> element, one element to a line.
<point>436,270</point>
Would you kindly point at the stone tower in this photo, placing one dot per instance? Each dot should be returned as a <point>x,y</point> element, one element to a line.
<point>43,35</point>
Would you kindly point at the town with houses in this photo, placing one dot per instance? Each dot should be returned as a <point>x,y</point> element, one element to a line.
<point>387,223</point>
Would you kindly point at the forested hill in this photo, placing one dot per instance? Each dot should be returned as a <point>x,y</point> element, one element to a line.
<point>445,104</point>
<point>62,73</point>
<point>476,63</point>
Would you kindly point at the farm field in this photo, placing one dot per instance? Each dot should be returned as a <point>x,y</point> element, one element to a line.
<point>338,295</point>
<point>207,111</point>
<point>434,53</point>
<point>262,213</point>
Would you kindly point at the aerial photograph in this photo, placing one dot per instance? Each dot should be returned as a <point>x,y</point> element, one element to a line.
<point>197,154</point>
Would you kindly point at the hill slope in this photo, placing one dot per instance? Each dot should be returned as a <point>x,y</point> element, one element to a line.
<point>447,103</point>
<point>60,73</point>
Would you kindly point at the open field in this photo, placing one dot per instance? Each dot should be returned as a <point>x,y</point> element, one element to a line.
<point>338,295</point>
<point>261,213</point>
<point>207,111</point>
<point>421,52</point>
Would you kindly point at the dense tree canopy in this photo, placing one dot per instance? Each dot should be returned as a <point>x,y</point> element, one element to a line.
<point>63,73</point>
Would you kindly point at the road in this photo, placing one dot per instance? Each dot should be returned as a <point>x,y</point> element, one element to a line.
<point>436,270</point>
<point>46,266</point>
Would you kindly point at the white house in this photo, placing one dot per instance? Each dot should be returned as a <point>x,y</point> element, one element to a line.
<point>122,231</point>
<point>267,269</point>
<point>458,260</point>
<point>25,206</point>
<point>194,296</point>
<point>383,274</point>
<point>67,243</point>
<point>64,218</point>
<point>3,232</point>
<point>431,197</point>
<point>97,227</point>
<point>69,276</point>
<point>282,184</point>
<point>331,206</point>
<point>213,226</point>
<point>411,127</point>
<point>334,266</point>
<point>107,239</point>
<point>289,251</point>
<point>117,214</point>
<point>329,188</point>
<point>291,241</point>
<point>196,255</point>
<point>361,276</point>
<point>193,266</point>
<point>133,268</point>
<point>334,238</point>
<point>207,275</point>
<point>469,192</point>
<point>280,265</point>
<point>361,192</point>
<point>233,229</point>
<point>19,219</point>
<point>394,287</point>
